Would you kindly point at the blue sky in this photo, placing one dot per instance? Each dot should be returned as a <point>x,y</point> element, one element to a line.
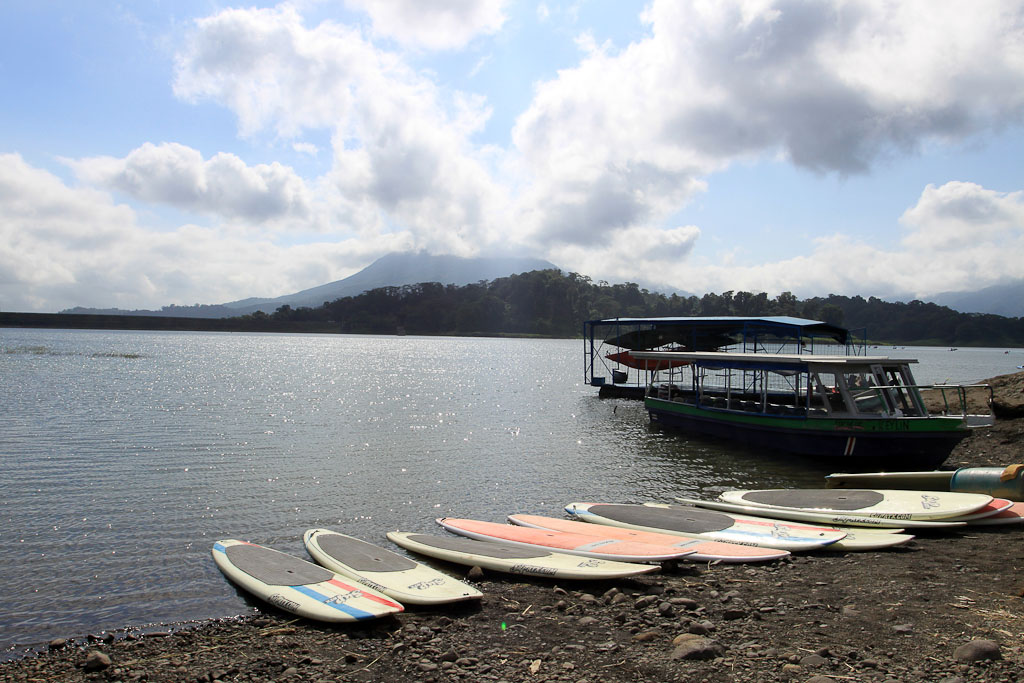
<point>156,153</point>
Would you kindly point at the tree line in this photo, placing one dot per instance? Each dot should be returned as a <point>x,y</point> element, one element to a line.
<point>554,304</point>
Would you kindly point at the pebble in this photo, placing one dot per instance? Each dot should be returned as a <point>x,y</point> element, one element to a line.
<point>698,648</point>
<point>977,650</point>
<point>96,661</point>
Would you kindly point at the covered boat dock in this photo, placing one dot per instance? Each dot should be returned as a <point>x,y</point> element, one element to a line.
<point>609,343</point>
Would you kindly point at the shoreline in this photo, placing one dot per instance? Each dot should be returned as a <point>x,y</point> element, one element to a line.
<point>914,613</point>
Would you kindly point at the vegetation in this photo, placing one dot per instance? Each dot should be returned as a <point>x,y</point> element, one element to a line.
<point>550,303</point>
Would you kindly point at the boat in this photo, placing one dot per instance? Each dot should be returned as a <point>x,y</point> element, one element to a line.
<point>828,406</point>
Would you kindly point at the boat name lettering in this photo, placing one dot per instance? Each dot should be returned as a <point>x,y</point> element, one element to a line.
<point>590,563</point>
<point>531,569</point>
<point>423,585</point>
<point>779,531</point>
<point>929,502</point>
<point>343,597</point>
<point>283,602</point>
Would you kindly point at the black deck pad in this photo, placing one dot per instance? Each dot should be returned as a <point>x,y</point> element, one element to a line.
<point>485,548</point>
<point>362,556</point>
<point>820,499</point>
<point>688,520</point>
<point>274,567</point>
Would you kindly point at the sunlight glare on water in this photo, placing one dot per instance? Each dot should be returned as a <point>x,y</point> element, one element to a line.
<point>125,455</point>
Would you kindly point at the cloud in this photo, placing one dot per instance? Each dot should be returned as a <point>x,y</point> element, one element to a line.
<point>625,138</point>
<point>961,237</point>
<point>403,154</point>
<point>223,185</point>
<point>434,24</point>
<point>62,247</point>
<point>960,214</point>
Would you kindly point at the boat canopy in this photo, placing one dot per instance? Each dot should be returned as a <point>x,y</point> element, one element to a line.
<point>768,361</point>
<point>769,334</point>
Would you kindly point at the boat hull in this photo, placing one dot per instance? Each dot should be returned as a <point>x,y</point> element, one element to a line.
<point>922,441</point>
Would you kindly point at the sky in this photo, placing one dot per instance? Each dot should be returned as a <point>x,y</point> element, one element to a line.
<point>192,151</point>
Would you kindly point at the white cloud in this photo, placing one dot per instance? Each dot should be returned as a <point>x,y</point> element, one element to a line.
<point>223,185</point>
<point>961,237</point>
<point>959,214</point>
<point>402,150</point>
<point>62,247</point>
<point>622,139</point>
<point>433,24</point>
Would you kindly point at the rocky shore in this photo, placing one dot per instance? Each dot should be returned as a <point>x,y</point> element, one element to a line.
<point>948,607</point>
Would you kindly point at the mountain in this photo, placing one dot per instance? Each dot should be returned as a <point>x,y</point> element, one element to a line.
<point>1006,299</point>
<point>392,270</point>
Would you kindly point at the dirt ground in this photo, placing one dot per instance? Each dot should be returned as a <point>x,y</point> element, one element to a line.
<point>921,612</point>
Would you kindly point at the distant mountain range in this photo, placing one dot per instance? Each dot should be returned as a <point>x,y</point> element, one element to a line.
<point>395,270</point>
<point>392,270</point>
<point>1006,299</point>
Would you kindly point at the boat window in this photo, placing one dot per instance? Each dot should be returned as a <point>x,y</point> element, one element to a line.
<point>827,393</point>
<point>867,399</point>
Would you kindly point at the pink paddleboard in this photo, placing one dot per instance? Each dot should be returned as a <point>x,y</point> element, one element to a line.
<point>603,548</point>
<point>995,507</point>
<point>704,551</point>
<point>1011,515</point>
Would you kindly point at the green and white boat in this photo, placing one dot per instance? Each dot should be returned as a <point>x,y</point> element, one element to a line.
<point>829,406</point>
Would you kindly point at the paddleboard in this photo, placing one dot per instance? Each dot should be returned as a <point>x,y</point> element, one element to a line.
<point>512,560</point>
<point>855,540</point>
<point>821,517</point>
<point>995,507</point>
<point>298,586</point>
<point>937,480</point>
<point>862,540</point>
<point>392,574</point>
<point>707,524</point>
<point>1011,515</point>
<point>704,550</point>
<point>884,503</point>
<point>563,541</point>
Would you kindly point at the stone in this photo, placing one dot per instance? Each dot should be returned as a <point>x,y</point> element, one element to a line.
<point>586,621</point>
<point>96,661</point>
<point>58,643</point>
<point>903,628</point>
<point>812,661</point>
<point>699,649</point>
<point>646,636</point>
<point>475,574</point>
<point>732,614</point>
<point>977,650</point>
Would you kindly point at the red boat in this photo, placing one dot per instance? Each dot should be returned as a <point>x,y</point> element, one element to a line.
<point>626,358</point>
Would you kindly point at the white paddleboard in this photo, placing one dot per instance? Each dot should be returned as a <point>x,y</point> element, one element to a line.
<point>605,548</point>
<point>298,586</point>
<point>505,558</point>
<point>394,575</point>
<point>883,503</point>
<point>704,550</point>
<point>862,540</point>
<point>707,524</point>
<point>855,540</point>
<point>820,517</point>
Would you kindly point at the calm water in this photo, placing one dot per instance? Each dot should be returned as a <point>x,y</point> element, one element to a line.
<point>125,455</point>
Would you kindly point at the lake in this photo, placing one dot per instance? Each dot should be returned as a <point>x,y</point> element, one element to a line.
<point>125,455</point>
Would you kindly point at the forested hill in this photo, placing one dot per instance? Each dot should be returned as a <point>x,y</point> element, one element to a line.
<point>549,303</point>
